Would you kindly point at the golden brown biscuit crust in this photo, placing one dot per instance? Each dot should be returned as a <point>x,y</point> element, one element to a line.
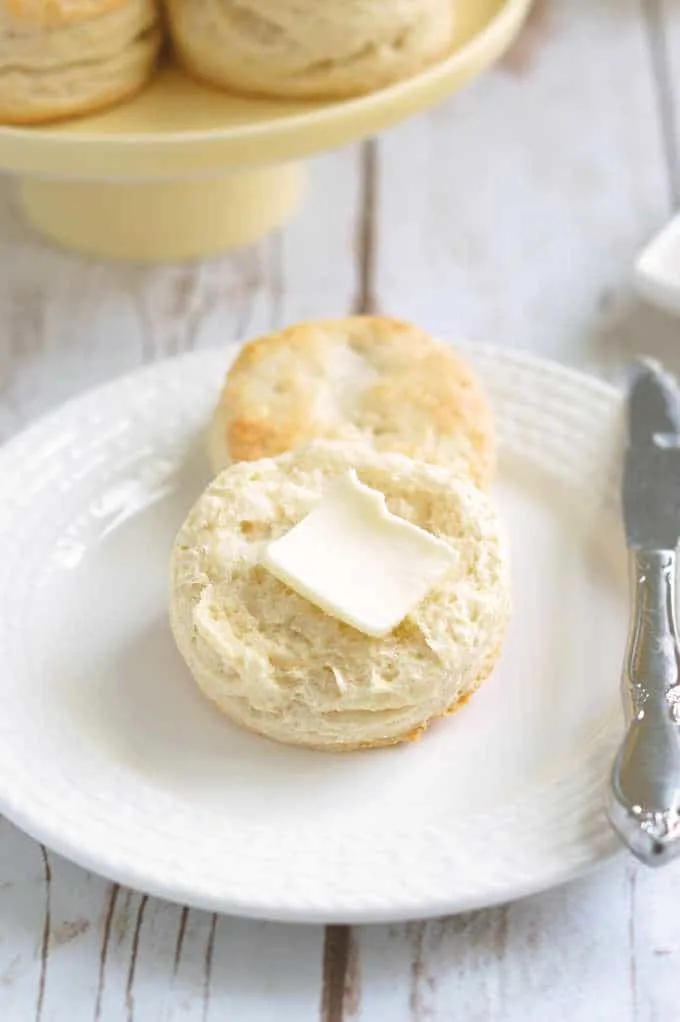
<point>419,397</point>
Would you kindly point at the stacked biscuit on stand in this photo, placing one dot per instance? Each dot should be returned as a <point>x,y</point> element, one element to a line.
<point>299,410</point>
<point>62,58</point>
<point>309,49</point>
<point>59,58</point>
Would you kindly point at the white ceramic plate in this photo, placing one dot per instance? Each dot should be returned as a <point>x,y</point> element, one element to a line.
<point>110,756</point>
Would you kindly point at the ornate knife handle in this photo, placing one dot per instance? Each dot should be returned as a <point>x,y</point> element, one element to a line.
<point>644,803</point>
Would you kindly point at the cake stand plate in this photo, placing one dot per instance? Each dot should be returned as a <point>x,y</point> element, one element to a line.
<point>185,171</point>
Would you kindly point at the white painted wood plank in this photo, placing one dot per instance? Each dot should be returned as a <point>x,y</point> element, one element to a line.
<point>76,904</point>
<point>68,323</point>
<point>22,919</point>
<point>568,953</point>
<point>512,214</point>
<point>563,954</point>
<point>662,19</point>
<point>271,970</point>
<point>655,938</point>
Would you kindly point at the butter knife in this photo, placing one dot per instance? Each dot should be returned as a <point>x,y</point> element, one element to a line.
<point>644,796</point>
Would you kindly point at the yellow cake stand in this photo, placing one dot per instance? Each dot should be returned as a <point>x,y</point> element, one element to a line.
<point>185,171</point>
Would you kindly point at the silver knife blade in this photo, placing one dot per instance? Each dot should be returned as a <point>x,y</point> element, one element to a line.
<point>651,477</point>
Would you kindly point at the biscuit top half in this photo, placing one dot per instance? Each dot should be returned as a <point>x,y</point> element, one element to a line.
<point>361,378</point>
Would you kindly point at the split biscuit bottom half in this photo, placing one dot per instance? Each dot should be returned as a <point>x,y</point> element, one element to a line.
<point>276,664</point>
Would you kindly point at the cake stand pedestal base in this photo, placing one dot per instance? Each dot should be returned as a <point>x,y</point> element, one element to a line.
<point>164,221</point>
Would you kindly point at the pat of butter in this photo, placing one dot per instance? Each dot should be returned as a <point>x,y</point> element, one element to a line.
<point>357,561</point>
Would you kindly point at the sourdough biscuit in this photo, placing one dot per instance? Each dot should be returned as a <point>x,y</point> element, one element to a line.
<point>275,663</point>
<point>310,49</point>
<point>363,378</point>
<point>59,58</point>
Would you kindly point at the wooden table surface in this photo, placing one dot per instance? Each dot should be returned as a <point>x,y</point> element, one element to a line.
<point>510,215</point>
